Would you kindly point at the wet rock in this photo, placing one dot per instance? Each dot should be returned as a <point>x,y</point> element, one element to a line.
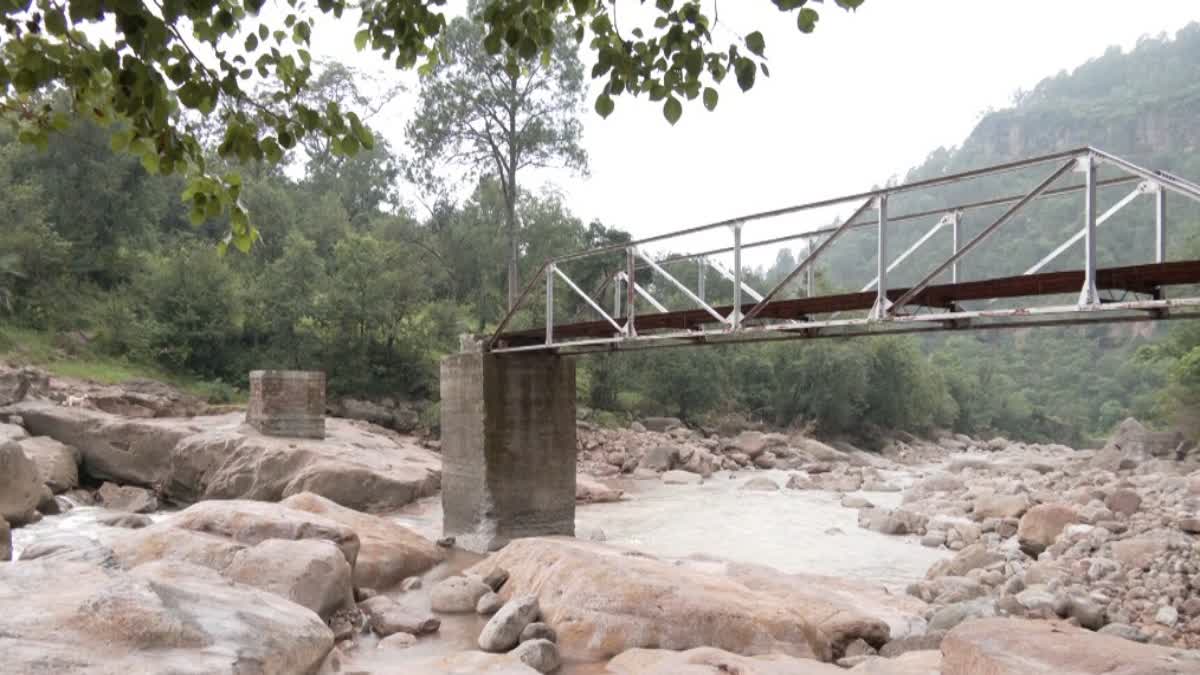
<point>1041,525</point>
<point>129,521</point>
<point>46,505</point>
<point>20,484</point>
<point>127,498</point>
<point>489,603</point>
<point>1019,647</point>
<point>1124,631</point>
<point>950,616</point>
<point>312,573</point>
<point>591,491</point>
<point>503,630</point>
<point>5,541</point>
<point>915,643</point>
<point>69,548</point>
<point>458,595</point>
<point>57,464</point>
<point>397,641</point>
<point>891,521</point>
<point>387,553</point>
<point>681,478</point>
<point>933,539</point>
<point>496,578</point>
<point>972,557</point>
<point>798,481</point>
<point>162,617</point>
<point>760,484</point>
<point>386,617</point>
<point>538,631</point>
<point>541,655</point>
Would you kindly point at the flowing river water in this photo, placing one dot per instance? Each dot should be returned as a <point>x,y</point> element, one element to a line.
<point>790,530</point>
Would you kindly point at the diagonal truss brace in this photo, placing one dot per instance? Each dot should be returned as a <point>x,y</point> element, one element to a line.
<point>643,292</point>
<point>686,291</point>
<point>724,271</point>
<point>946,220</point>
<point>1143,188</point>
<point>977,239</point>
<point>586,298</point>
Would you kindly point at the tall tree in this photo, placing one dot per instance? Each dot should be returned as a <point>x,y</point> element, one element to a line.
<point>475,112</point>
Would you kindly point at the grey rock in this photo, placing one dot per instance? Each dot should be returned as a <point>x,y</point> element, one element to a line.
<point>496,578</point>
<point>950,616</point>
<point>131,521</point>
<point>20,484</point>
<point>541,655</point>
<point>5,541</point>
<point>489,603</point>
<point>1123,630</point>
<point>457,594</point>
<point>503,630</point>
<point>538,631</point>
<point>386,617</point>
<point>127,498</point>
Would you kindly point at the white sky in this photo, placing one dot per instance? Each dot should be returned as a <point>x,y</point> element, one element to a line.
<point>865,97</point>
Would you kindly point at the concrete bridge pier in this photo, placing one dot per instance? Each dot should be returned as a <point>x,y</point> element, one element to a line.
<point>508,447</point>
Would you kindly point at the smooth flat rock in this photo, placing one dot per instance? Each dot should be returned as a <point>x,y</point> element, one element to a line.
<point>312,573</point>
<point>220,457</point>
<point>710,661</point>
<point>603,600</point>
<point>1023,647</point>
<point>388,552</point>
<point>588,490</point>
<point>165,617</point>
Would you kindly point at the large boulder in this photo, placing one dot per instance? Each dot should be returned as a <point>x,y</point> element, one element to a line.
<point>660,458</point>
<point>388,552</point>
<point>603,600</point>
<point>1020,647</point>
<point>220,457</point>
<point>1041,525</point>
<point>68,617</point>
<point>20,484</point>
<point>750,443</point>
<point>12,432</point>
<point>57,463</point>
<point>312,573</point>
<point>301,556</point>
<point>710,661</point>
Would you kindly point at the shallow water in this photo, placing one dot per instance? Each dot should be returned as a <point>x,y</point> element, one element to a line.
<point>80,520</point>
<point>786,530</point>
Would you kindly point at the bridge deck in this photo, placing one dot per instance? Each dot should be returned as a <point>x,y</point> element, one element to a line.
<point>1142,279</point>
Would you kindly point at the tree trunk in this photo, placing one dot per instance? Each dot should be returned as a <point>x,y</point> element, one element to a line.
<point>513,248</point>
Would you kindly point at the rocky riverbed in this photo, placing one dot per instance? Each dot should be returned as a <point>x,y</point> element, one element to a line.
<point>192,544</point>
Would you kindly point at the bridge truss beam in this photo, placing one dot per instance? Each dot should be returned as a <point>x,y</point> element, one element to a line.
<point>923,306</point>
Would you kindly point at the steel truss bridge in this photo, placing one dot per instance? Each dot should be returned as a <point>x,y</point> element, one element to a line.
<point>639,320</point>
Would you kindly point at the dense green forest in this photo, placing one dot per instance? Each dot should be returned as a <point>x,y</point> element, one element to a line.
<point>351,278</point>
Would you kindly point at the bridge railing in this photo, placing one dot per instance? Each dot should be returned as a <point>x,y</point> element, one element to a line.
<point>755,315</point>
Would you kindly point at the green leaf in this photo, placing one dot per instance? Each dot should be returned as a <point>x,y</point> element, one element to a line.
<point>251,42</point>
<point>672,109</point>
<point>361,38</point>
<point>120,140</point>
<point>604,105</point>
<point>745,69</point>
<point>150,163</point>
<point>806,20</point>
<point>755,43</point>
<point>710,98</point>
<point>56,22</point>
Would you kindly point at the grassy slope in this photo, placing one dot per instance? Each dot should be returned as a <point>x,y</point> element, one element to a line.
<point>29,347</point>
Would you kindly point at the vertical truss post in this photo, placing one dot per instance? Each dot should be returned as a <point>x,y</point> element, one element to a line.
<point>617,295</point>
<point>736,317</point>
<point>1088,295</point>
<point>955,237</point>
<point>880,310</point>
<point>550,304</point>
<point>702,273</point>
<point>1160,224</point>
<point>808,273</point>
<point>630,280</point>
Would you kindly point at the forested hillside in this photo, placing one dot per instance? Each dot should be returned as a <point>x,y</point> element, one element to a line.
<point>355,275</point>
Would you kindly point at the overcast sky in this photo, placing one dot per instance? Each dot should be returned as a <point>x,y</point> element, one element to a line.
<point>865,97</point>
